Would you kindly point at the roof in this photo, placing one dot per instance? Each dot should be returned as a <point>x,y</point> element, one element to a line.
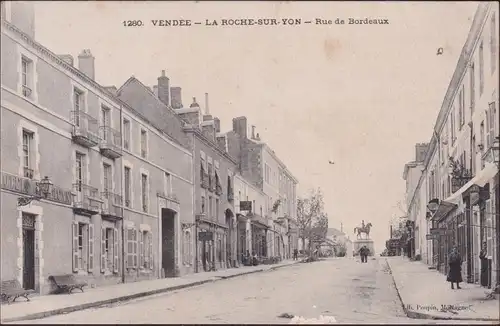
<point>139,96</point>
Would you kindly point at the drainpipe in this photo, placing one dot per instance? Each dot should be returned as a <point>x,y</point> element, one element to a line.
<point>468,216</point>
<point>195,184</point>
<point>123,196</point>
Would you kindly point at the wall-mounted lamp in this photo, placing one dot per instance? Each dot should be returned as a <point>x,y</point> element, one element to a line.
<point>44,187</point>
<point>433,205</point>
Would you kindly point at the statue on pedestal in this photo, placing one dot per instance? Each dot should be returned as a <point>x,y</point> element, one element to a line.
<point>363,229</point>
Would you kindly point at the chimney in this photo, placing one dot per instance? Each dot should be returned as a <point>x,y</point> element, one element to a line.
<point>240,126</point>
<point>176,97</point>
<point>257,137</point>
<point>21,14</point>
<point>217,124</point>
<point>253,132</point>
<point>68,58</point>
<point>207,109</point>
<point>164,88</point>
<point>86,63</point>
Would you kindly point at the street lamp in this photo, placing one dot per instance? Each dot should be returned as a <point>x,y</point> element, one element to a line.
<point>433,205</point>
<point>44,187</point>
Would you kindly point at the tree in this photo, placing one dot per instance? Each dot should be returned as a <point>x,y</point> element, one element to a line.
<point>311,219</point>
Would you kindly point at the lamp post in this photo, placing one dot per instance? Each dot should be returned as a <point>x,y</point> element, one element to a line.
<point>496,159</point>
<point>44,187</point>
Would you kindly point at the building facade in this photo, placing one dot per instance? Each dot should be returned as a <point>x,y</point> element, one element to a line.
<point>461,165</point>
<point>259,165</point>
<point>109,186</point>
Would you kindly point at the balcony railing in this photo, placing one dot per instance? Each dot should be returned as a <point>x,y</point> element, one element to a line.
<point>87,200</point>
<point>112,206</point>
<point>111,141</point>
<point>85,129</point>
<point>28,173</point>
<point>26,91</point>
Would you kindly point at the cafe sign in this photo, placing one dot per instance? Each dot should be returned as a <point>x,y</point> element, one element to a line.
<point>29,187</point>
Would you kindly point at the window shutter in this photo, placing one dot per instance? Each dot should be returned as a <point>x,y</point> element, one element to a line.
<point>115,250</point>
<point>134,242</point>
<point>103,249</point>
<point>141,249</point>
<point>130,248</point>
<point>150,241</point>
<point>91,248</point>
<point>75,246</point>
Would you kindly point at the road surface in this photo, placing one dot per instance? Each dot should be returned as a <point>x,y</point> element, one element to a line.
<point>341,287</point>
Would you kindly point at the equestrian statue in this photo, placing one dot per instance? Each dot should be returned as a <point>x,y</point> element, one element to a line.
<point>363,229</point>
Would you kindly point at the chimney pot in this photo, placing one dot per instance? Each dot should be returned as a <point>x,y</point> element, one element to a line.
<point>176,97</point>
<point>207,109</point>
<point>253,132</point>
<point>163,73</point>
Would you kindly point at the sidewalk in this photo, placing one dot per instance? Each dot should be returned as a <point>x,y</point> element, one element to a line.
<point>425,294</point>
<point>48,305</point>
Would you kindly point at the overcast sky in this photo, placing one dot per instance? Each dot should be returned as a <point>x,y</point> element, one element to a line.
<point>359,95</point>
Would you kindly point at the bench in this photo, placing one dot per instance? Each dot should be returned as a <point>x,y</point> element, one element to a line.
<point>67,283</point>
<point>13,289</point>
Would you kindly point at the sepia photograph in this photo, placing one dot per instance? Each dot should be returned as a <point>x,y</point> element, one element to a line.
<point>250,162</point>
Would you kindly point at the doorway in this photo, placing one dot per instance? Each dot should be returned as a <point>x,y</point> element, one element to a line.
<point>28,251</point>
<point>168,242</point>
<point>229,239</point>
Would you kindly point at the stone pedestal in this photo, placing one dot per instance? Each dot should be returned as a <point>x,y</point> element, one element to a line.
<point>358,243</point>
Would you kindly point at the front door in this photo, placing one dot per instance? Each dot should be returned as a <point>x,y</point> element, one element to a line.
<point>168,242</point>
<point>28,253</point>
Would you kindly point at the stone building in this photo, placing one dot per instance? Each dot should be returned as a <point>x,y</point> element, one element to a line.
<point>108,182</point>
<point>260,165</point>
<point>461,164</point>
<point>210,229</point>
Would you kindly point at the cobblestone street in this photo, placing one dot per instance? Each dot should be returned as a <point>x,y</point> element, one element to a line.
<point>344,288</point>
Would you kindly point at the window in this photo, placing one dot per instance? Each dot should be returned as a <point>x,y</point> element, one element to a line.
<point>210,207</point>
<point>472,88</point>
<point>126,134</point>
<point>109,249</point>
<point>26,70</point>
<point>77,105</point>
<point>216,208</point>
<point>83,246</point>
<point>481,69</point>
<point>132,244</point>
<point>80,171</point>
<point>493,43</point>
<point>202,204</point>
<point>143,143</point>
<point>253,206</point>
<point>144,190</point>
<point>105,113</point>
<point>168,184</point>
<point>490,124</point>
<point>107,182</point>
<point>146,243</point>
<point>127,185</point>
<point>27,154</point>
<point>461,108</point>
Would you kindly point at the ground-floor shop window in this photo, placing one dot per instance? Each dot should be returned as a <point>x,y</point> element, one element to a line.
<point>132,244</point>
<point>187,248</point>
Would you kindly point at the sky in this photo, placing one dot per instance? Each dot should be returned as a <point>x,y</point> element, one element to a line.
<point>358,95</point>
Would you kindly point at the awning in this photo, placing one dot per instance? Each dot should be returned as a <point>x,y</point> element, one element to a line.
<point>445,207</point>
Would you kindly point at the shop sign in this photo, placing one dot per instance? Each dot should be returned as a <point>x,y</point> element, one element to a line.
<point>30,187</point>
<point>246,206</point>
<point>438,231</point>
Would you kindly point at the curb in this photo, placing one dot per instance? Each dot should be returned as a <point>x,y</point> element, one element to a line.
<point>421,315</point>
<point>96,304</point>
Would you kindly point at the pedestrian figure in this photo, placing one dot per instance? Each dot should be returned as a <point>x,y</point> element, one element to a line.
<point>484,265</point>
<point>295,254</point>
<point>363,253</point>
<point>455,272</point>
